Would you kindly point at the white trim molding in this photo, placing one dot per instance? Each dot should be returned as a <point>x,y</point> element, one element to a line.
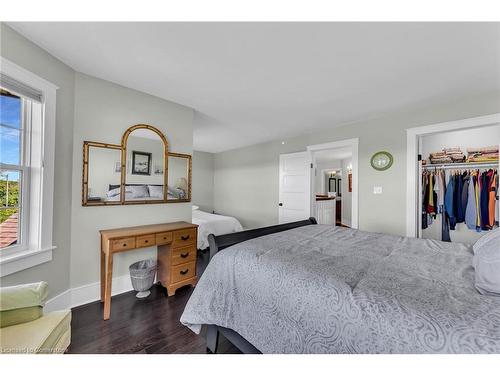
<point>353,143</point>
<point>412,165</point>
<point>84,294</point>
<point>38,248</point>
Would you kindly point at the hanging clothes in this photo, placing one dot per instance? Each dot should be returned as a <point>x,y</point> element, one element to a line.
<point>470,211</point>
<point>493,203</point>
<point>431,197</point>
<point>457,196</point>
<point>424,200</point>
<point>477,182</point>
<point>465,193</point>
<point>439,188</point>
<point>449,202</point>
<point>486,178</point>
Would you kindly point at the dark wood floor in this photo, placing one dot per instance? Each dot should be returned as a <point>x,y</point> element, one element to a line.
<point>143,326</point>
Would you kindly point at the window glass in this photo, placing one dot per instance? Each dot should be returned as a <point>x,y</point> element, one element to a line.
<point>11,168</point>
<point>11,109</point>
<point>10,197</point>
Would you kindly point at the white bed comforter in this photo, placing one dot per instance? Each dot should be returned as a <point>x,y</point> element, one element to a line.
<point>216,224</point>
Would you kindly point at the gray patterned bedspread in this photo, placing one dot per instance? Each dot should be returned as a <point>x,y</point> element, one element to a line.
<point>321,289</point>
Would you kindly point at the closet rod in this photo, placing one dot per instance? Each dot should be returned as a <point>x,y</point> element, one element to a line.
<point>460,166</point>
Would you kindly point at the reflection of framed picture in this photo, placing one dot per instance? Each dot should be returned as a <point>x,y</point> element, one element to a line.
<point>158,169</point>
<point>332,185</point>
<point>339,187</point>
<point>350,183</point>
<point>141,163</point>
<point>118,167</point>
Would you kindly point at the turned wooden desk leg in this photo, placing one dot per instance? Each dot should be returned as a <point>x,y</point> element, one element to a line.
<point>103,274</point>
<point>107,291</point>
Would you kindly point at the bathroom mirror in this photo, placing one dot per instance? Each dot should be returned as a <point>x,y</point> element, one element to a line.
<point>145,165</point>
<point>179,177</point>
<point>137,171</point>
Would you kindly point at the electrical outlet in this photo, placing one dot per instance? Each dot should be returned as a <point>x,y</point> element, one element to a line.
<point>377,190</point>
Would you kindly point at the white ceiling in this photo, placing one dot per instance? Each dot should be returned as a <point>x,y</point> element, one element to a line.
<point>255,82</point>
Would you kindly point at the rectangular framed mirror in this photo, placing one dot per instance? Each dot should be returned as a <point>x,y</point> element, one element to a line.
<point>101,174</point>
<point>179,177</point>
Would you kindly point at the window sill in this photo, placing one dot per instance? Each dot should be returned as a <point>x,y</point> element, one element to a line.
<point>24,259</point>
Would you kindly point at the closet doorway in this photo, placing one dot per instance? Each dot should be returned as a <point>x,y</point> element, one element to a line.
<point>443,161</point>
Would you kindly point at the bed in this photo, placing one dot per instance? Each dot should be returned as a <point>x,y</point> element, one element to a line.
<point>215,224</point>
<point>311,288</point>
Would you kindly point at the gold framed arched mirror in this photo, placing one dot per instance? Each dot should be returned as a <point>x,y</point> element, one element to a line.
<point>136,171</point>
<point>144,165</point>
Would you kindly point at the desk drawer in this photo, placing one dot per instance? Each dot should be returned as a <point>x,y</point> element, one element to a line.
<point>183,255</point>
<point>182,272</point>
<point>145,241</point>
<point>163,238</point>
<point>123,243</point>
<point>184,237</point>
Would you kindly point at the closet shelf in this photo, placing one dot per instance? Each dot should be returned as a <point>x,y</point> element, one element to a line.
<point>461,165</point>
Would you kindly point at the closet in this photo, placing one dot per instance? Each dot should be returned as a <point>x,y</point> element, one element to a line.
<point>458,184</point>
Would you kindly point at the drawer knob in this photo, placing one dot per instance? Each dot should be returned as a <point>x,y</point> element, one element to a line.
<point>184,255</point>
<point>185,238</point>
<point>184,272</point>
<point>164,238</point>
<point>124,245</point>
<point>146,241</point>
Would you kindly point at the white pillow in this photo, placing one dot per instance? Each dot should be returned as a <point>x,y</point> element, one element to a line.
<point>194,207</point>
<point>140,191</point>
<point>155,191</point>
<point>113,193</point>
<point>486,263</point>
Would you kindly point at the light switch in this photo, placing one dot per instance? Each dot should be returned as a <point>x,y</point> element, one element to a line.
<point>377,190</point>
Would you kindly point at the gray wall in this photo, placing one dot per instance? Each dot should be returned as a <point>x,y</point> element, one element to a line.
<point>29,56</point>
<point>103,111</point>
<point>346,195</point>
<point>203,180</point>
<point>246,179</point>
<point>92,109</point>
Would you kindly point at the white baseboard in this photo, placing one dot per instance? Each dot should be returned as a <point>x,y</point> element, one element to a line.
<point>86,293</point>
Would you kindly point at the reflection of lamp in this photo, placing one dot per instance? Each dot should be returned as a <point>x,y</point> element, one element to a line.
<point>349,168</point>
<point>332,174</point>
<point>181,184</point>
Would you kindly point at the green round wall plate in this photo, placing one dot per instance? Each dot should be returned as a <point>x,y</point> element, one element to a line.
<point>381,160</point>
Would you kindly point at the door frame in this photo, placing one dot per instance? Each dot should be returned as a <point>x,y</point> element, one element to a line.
<point>413,166</point>
<point>354,144</point>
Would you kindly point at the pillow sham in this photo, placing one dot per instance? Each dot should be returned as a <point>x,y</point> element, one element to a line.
<point>155,191</point>
<point>139,191</point>
<point>486,262</point>
<point>194,207</point>
<point>113,192</point>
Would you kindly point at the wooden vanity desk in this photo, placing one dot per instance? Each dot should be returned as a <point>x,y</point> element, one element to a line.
<point>176,244</point>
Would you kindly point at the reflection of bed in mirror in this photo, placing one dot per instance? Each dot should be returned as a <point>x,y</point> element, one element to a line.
<point>143,192</point>
<point>215,224</point>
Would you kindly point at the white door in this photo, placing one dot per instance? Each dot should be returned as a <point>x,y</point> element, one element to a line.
<point>295,187</point>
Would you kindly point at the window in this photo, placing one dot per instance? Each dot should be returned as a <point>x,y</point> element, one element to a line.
<point>27,132</point>
<point>14,169</point>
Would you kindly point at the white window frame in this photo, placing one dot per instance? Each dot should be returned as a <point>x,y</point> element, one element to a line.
<point>36,247</point>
